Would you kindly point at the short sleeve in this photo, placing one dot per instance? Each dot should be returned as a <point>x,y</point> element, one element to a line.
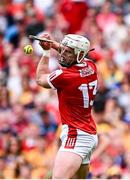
<point>56,79</point>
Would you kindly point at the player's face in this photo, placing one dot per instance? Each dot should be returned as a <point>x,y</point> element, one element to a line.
<point>67,56</point>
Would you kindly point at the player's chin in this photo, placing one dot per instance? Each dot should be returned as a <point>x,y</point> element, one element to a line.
<point>62,62</point>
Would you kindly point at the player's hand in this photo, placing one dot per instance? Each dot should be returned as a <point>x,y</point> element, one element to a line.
<point>43,44</point>
<point>47,45</point>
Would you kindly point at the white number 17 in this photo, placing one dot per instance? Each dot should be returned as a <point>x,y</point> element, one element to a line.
<point>84,88</point>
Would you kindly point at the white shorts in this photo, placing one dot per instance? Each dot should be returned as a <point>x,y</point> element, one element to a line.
<point>78,142</point>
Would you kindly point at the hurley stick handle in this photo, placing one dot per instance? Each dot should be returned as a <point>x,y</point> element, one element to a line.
<point>40,39</point>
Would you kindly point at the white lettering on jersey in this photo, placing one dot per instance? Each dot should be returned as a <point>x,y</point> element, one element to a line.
<point>85,88</point>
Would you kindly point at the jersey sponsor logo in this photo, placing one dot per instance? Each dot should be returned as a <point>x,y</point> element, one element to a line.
<point>86,71</point>
<point>55,74</point>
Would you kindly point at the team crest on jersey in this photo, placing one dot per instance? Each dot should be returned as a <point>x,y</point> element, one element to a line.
<point>86,71</point>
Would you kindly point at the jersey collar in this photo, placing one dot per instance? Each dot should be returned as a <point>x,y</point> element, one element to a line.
<point>83,64</point>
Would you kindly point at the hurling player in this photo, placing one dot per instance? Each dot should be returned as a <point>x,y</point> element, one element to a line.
<point>76,85</point>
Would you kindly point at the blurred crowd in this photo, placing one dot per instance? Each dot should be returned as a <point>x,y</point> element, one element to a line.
<point>29,117</point>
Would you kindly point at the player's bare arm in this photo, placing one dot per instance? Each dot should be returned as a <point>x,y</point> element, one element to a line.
<point>55,45</point>
<point>42,71</point>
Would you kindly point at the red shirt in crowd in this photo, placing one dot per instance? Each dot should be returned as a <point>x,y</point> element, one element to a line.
<point>74,12</point>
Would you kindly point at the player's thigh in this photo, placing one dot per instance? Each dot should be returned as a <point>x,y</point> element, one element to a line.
<point>66,165</point>
<point>83,171</point>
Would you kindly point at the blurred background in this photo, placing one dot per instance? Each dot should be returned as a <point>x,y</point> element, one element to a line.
<point>29,118</point>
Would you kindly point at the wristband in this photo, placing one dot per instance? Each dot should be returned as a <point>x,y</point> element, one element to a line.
<point>46,53</point>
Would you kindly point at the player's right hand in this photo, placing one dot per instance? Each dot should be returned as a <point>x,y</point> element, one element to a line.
<point>47,45</point>
<point>43,44</point>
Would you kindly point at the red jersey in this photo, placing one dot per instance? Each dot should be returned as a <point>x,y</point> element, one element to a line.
<point>76,87</point>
